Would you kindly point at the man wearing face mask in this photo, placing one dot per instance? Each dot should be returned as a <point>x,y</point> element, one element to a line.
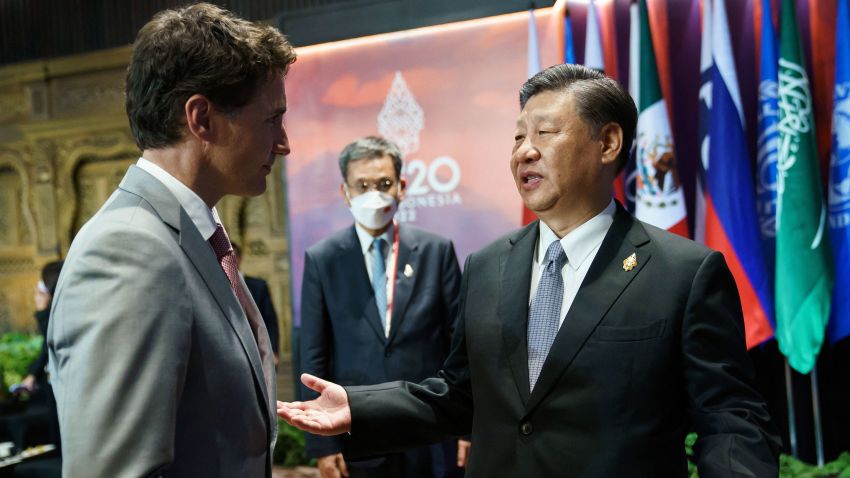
<point>378,304</point>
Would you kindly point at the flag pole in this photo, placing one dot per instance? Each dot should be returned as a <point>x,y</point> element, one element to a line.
<point>816,413</point>
<point>792,419</point>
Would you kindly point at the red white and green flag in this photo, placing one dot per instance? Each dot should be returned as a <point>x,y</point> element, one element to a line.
<point>659,198</point>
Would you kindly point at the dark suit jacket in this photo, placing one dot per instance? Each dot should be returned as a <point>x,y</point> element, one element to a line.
<point>37,367</point>
<point>342,338</point>
<point>259,290</point>
<point>643,357</point>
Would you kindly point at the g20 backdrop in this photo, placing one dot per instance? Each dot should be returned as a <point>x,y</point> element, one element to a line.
<point>448,96</point>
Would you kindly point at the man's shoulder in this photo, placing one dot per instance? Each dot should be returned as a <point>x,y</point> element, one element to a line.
<point>422,235</point>
<point>506,241</point>
<point>123,212</point>
<point>332,242</point>
<point>673,244</point>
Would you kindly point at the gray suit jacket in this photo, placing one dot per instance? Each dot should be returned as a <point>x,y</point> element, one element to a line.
<point>154,364</point>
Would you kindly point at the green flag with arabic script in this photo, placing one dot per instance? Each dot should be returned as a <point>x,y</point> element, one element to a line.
<point>803,262</point>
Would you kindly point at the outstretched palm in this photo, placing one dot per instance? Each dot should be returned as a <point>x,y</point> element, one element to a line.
<point>327,415</point>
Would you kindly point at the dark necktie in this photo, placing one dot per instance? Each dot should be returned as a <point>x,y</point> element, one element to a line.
<point>545,311</point>
<point>227,258</point>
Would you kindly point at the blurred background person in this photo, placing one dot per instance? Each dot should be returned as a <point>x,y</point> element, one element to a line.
<point>259,290</point>
<point>43,297</point>
<point>378,304</point>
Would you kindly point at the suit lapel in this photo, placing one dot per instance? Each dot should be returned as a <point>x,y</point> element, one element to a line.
<point>202,256</point>
<point>515,277</point>
<point>359,288</point>
<point>264,346</point>
<point>199,252</point>
<point>605,281</point>
<point>408,254</point>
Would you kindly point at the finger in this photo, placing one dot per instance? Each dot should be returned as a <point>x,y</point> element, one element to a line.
<point>462,453</point>
<point>286,412</point>
<point>314,383</point>
<point>329,472</point>
<point>343,468</point>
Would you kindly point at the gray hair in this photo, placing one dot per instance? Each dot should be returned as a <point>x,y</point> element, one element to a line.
<point>599,100</point>
<point>369,147</point>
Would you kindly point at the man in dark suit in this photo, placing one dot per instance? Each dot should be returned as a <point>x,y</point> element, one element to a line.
<point>379,301</point>
<point>259,290</point>
<point>589,343</point>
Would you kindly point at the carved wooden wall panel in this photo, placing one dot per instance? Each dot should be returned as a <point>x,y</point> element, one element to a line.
<point>65,144</point>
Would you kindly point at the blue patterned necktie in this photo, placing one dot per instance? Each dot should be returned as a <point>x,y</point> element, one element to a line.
<point>379,278</point>
<point>545,310</point>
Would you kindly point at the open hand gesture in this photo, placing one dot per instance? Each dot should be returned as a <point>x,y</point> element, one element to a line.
<point>327,415</point>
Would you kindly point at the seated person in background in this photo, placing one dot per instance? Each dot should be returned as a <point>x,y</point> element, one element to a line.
<point>36,382</point>
<point>378,303</point>
<point>43,298</point>
<point>259,290</point>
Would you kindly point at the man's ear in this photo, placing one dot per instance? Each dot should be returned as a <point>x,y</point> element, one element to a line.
<point>611,140</point>
<point>403,187</point>
<point>344,196</point>
<point>198,111</point>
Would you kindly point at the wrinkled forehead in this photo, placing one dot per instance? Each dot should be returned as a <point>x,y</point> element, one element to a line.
<point>546,106</point>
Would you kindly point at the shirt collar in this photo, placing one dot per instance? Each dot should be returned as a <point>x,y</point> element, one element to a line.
<point>581,241</point>
<point>204,218</point>
<point>366,238</point>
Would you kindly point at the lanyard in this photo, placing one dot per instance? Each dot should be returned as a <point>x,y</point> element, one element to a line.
<point>394,268</point>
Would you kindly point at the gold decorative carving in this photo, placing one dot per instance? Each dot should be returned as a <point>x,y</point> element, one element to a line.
<point>16,192</point>
<point>64,145</point>
<point>5,314</point>
<point>99,146</point>
<point>13,106</point>
<point>16,266</point>
<point>84,98</point>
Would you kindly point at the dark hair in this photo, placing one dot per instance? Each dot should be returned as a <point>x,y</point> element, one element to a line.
<point>369,147</point>
<point>50,275</point>
<point>199,49</point>
<point>599,99</point>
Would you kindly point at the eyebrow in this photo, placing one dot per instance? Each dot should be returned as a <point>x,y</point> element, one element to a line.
<point>279,111</point>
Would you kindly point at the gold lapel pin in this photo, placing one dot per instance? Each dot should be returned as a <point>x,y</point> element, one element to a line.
<point>630,262</point>
<point>408,271</point>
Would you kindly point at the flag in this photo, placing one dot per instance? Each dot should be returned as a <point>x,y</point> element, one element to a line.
<point>593,41</point>
<point>803,262</point>
<point>630,172</point>
<point>569,46</point>
<point>533,46</point>
<point>659,200</point>
<point>731,221</point>
<point>705,72</point>
<point>768,135</point>
<point>839,180</point>
<point>533,69</point>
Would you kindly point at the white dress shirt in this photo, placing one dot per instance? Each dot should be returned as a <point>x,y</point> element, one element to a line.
<point>366,240</point>
<point>204,218</point>
<point>580,245</point>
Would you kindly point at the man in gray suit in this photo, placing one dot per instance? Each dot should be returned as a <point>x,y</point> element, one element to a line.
<point>160,361</point>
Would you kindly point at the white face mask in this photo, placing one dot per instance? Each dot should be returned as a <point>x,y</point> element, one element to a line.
<point>372,209</point>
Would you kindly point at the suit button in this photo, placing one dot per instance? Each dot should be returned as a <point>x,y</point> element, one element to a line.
<point>388,352</point>
<point>525,428</point>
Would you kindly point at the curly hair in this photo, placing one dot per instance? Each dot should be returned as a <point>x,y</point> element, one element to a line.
<point>199,49</point>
